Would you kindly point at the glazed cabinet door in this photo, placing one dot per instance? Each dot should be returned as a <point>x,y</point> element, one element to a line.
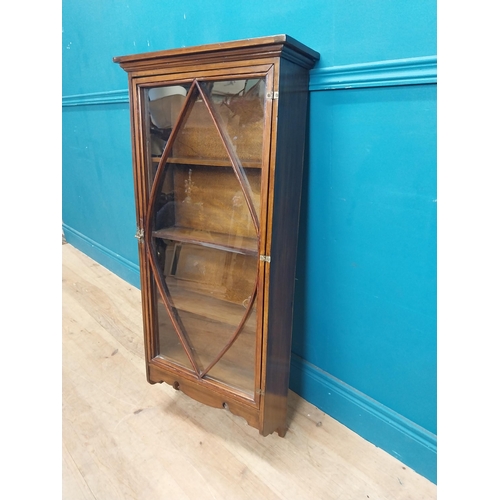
<point>205,152</point>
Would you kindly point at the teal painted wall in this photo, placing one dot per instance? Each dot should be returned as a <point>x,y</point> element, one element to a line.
<point>364,345</point>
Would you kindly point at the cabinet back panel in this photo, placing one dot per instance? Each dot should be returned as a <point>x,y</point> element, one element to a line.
<point>215,202</point>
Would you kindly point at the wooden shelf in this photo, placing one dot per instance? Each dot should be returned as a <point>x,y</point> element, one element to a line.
<point>207,162</point>
<point>219,241</point>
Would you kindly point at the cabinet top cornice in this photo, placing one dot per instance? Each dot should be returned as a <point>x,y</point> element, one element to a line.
<point>251,48</point>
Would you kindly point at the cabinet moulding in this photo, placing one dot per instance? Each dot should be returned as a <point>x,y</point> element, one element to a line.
<point>411,71</point>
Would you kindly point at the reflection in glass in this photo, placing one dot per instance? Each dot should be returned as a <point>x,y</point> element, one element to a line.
<point>239,105</point>
<point>164,107</point>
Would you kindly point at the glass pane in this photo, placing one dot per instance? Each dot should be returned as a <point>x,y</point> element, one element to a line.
<point>211,204</point>
<point>236,368</point>
<point>169,340</point>
<point>164,105</point>
<point>240,106</point>
<point>205,237</point>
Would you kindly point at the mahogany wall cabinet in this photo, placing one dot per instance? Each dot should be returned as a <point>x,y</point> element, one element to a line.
<point>218,136</point>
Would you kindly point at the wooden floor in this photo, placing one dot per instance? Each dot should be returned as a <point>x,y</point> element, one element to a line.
<point>126,439</point>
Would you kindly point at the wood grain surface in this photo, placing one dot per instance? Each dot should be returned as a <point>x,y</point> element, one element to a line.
<point>126,439</point>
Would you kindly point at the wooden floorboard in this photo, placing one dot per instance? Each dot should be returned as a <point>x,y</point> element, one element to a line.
<point>126,439</point>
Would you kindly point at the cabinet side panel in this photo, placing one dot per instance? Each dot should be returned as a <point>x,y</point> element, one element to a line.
<point>291,130</point>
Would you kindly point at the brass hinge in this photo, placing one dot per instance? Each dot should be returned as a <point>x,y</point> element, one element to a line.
<point>260,392</point>
<point>140,234</point>
<point>272,95</point>
<point>265,258</point>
